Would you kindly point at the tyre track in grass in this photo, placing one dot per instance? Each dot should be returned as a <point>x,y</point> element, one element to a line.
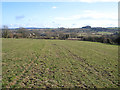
<point>18,77</point>
<point>25,80</point>
<point>25,70</point>
<point>40,83</point>
<point>57,49</point>
<point>91,68</point>
<point>29,76</point>
<point>82,85</point>
<point>57,55</point>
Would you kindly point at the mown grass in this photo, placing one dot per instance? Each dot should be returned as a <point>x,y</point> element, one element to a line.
<point>34,63</point>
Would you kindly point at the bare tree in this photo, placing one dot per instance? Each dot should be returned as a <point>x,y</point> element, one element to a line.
<point>5,31</point>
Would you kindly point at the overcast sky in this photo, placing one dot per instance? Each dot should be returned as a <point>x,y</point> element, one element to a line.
<point>97,13</point>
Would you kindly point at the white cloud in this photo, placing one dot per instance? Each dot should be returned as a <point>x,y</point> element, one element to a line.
<point>94,23</point>
<point>100,15</point>
<point>89,14</point>
<point>64,18</point>
<point>90,17</point>
<point>54,7</point>
<point>74,17</point>
<point>88,11</point>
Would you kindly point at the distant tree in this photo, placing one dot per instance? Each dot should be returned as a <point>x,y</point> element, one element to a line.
<point>23,32</point>
<point>5,31</point>
<point>63,36</point>
<point>10,35</point>
<point>117,40</point>
<point>17,35</point>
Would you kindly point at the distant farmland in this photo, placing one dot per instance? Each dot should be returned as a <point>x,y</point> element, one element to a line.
<point>35,63</point>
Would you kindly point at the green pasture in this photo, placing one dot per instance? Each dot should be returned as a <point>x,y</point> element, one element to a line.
<point>38,63</point>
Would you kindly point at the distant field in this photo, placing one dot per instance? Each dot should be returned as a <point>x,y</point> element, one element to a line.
<point>104,33</point>
<point>58,63</point>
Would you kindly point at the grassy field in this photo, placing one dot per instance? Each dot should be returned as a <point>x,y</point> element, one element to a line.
<point>105,33</point>
<point>34,63</point>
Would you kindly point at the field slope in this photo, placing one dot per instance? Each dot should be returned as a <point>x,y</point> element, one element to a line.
<point>34,63</point>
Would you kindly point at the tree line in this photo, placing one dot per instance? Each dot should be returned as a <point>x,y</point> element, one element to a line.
<point>46,34</point>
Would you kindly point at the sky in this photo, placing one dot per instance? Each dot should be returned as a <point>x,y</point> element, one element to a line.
<point>60,14</point>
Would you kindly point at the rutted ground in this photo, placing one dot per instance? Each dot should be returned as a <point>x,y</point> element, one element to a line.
<point>58,63</point>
